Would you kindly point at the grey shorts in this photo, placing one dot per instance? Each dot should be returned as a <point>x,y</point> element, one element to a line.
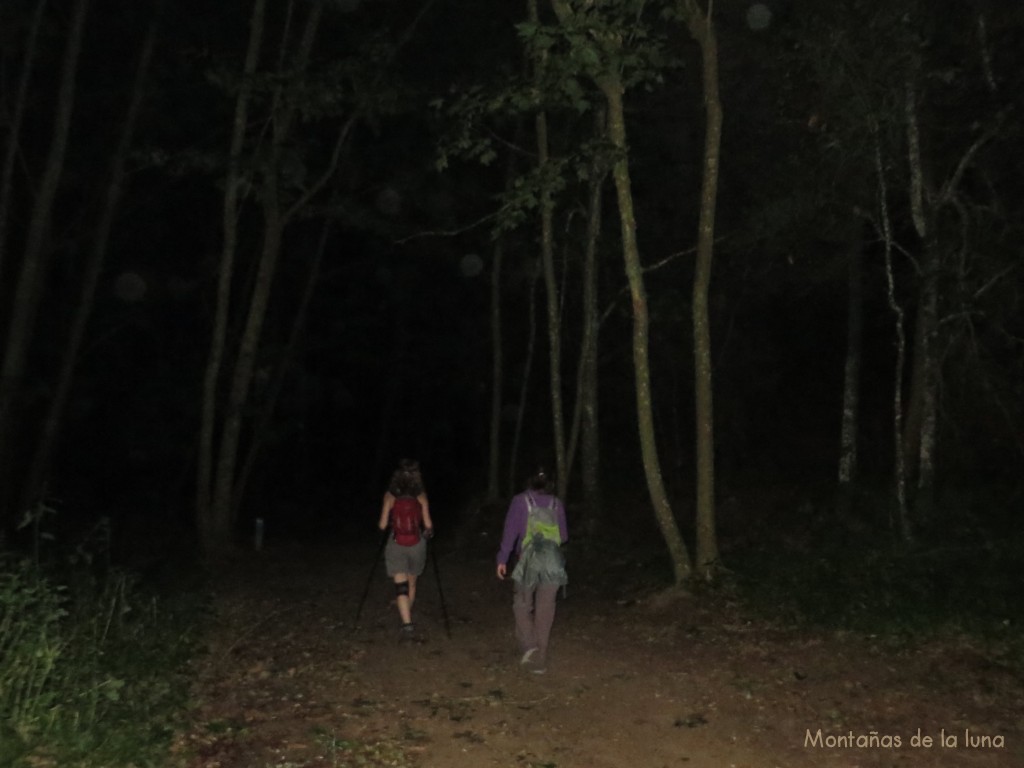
<point>411,560</point>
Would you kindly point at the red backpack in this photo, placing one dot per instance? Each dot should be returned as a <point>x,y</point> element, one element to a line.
<point>406,515</point>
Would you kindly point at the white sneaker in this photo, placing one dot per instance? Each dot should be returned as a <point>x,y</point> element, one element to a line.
<point>527,656</point>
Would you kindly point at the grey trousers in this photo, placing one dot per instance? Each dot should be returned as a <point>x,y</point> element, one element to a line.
<point>534,610</point>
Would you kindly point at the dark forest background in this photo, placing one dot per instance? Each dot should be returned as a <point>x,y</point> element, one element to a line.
<point>404,145</point>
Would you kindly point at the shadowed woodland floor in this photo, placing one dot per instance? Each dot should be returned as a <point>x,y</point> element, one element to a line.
<point>287,680</point>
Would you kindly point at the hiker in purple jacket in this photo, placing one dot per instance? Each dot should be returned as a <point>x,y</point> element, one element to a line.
<point>535,528</point>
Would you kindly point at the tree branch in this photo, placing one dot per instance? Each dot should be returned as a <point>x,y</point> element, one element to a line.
<point>949,188</point>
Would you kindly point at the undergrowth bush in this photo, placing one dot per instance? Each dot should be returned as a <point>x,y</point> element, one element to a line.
<point>957,576</point>
<point>90,666</point>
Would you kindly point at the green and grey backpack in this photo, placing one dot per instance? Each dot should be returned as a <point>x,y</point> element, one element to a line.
<point>541,560</point>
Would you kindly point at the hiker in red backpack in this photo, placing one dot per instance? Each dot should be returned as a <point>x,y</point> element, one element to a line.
<point>535,529</point>
<point>407,511</point>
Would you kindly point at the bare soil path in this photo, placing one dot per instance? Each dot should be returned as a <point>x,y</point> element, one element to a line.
<point>288,681</point>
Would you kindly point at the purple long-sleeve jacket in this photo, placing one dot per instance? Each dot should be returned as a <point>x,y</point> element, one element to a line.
<point>515,521</point>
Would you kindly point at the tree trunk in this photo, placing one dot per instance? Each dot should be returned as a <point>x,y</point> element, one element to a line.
<point>914,410</point>
<point>224,509</point>
<point>925,493</point>
<point>498,347</point>
<point>531,345</point>
<point>497,375</point>
<point>848,443</point>
<point>40,466</point>
<point>613,90</point>
<point>899,471</point>
<point>587,381</point>
<point>924,397</point>
<point>681,566</point>
<point>707,541</point>
<point>926,205</point>
<point>34,265</point>
<point>269,404</point>
<point>554,324</point>
<point>212,534</point>
<point>14,131</point>
<point>547,252</point>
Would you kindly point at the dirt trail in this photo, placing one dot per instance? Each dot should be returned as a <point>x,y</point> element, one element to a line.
<point>289,682</point>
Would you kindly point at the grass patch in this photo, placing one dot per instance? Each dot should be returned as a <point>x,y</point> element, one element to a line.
<point>341,753</point>
<point>90,666</point>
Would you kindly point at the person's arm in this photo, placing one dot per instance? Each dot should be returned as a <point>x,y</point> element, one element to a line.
<point>385,511</point>
<point>515,523</point>
<point>428,524</point>
<point>563,526</point>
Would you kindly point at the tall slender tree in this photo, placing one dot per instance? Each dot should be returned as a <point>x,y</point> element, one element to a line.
<point>585,420</point>
<point>33,487</point>
<point>497,372</point>
<point>850,418</point>
<point>276,213</point>
<point>546,211</point>
<point>702,29</point>
<point>214,529</point>
<point>268,404</point>
<point>899,320</point>
<point>896,93</point>
<point>281,198</point>
<point>497,340</point>
<point>603,47</point>
<point>35,263</point>
<point>524,386</point>
<point>14,129</point>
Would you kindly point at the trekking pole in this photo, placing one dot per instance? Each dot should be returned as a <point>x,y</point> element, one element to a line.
<point>440,591</point>
<point>369,579</point>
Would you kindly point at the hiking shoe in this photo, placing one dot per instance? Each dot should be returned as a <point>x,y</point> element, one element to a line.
<point>528,656</point>
<point>409,634</point>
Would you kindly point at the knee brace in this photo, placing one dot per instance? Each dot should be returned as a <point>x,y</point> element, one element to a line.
<point>402,588</point>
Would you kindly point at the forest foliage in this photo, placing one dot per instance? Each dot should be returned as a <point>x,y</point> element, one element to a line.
<point>890,133</point>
